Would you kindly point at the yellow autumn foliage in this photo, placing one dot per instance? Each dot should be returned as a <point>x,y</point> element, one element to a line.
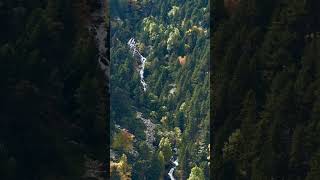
<point>122,168</point>
<point>123,141</point>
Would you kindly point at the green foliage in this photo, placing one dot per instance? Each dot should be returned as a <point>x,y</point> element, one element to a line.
<point>177,94</point>
<point>52,93</point>
<point>174,11</point>
<point>166,149</point>
<point>162,162</point>
<point>156,168</point>
<point>122,169</point>
<point>122,141</point>
<point>265,87</point>
<point>314,172</point>
<point>231,148</point>
<point>196,174</point>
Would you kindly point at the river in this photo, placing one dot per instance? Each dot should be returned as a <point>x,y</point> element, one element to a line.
<point>150,127</point>
<point>136,52</point>
<point>171,171</point>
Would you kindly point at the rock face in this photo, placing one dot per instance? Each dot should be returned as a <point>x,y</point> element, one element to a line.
<point>150,130</point>
<point>95,169</point>
<point>98,26</point>
<point>231,5</point>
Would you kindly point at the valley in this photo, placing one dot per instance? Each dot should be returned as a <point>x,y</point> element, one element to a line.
<point>160,105</point>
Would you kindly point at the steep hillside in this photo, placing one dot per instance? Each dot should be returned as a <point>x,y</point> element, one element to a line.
<point>53,94</point>
<point>160,129</point>
<point>266,90</point>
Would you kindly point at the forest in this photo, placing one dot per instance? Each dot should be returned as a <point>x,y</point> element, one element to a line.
<point>159,53</point>
<point>265,90</point>
<point>231,96</point>
<point>53,92</point>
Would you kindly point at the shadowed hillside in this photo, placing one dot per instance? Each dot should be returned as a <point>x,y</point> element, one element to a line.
<point>266,91</point>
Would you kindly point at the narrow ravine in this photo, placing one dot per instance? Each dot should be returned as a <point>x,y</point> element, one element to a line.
<point>135,52</point>
<point>175,163</point>
<point>150,130</point>
<point>150,127</point>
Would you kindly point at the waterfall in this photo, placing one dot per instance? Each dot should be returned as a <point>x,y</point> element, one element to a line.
<point>175,163</point>
<point>172,169</point>
<point>150,129</point>
<point>135,51</point>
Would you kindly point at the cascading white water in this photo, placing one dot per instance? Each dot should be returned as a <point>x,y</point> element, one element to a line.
<point>172,169</point>
<point>171,173</point>
<point>175,163</point>
<point>135,51</point>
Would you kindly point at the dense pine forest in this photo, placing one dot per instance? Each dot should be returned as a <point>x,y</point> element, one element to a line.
<point>160,89</point>
<point>53,93</point>
<point>266,86</point>
<point>243,107</point>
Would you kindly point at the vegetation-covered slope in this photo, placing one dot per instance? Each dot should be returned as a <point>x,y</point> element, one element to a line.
<point>266,90</point>
<point>52,109</point>
<point>174,37</point>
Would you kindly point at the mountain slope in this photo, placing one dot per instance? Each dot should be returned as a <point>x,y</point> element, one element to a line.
<point>173,36</point>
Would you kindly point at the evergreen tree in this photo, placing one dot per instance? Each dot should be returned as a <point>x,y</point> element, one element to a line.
<point>196,174</point>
